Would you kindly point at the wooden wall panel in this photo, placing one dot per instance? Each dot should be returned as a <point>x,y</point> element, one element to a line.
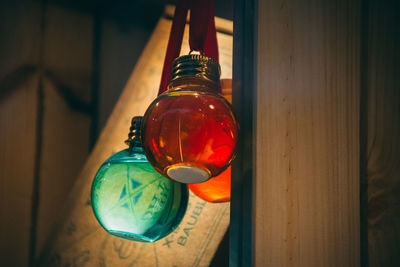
<point>43,147</point>
<point>65,147</point>
<point>120,49</point>
<point>307,134</point>
<point>68,47</point>
<point>19,31</point>
<point>17,142</point>
<point>67,61</point>
<point>19,51</point>
<point>382,132</point>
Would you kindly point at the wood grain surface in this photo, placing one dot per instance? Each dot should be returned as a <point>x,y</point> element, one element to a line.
<point>66,129</point>
<point>45,84</point>
<point>307,134</point>
<point>19,28</point>
<point>17,141</point>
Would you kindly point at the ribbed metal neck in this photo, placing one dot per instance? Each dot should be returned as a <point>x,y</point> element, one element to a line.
<point>135,131</point>
<point>195,66</point>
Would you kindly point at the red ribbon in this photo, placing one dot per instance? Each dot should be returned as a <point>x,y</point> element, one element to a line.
<point>202,34</point>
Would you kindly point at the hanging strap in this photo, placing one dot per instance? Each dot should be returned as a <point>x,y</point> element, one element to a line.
<point>174,42</point>
<point>202,34</point>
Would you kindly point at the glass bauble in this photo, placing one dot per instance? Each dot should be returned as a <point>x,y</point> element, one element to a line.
<point>132,200</point>
<point>190,131</point>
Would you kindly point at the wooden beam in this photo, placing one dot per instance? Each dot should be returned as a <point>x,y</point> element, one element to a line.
<point>307,134</point>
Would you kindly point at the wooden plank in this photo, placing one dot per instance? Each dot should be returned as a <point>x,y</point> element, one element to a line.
<point>68,48</point>
<point>19,50</point>
<point>382,131</point>
<point>17,142</point>
<point>79,238</point>
<point>66,131</point>
<point>65,148</point>
<point>121,47</point>
<point>19,30</point>
<point>307,134</point>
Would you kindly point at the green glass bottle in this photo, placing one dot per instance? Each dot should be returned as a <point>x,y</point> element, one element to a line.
<point>132,200</point>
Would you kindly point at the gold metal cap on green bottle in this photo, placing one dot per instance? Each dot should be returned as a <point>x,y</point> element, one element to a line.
<point>195,66</point>
<point>135,131</point>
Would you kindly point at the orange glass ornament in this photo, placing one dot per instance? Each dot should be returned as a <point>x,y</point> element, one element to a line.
<point>216,190</point>
<point>190,132</point>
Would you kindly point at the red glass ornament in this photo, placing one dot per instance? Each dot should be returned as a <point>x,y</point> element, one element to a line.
<point>190,131</point>
<point>217,189</point>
